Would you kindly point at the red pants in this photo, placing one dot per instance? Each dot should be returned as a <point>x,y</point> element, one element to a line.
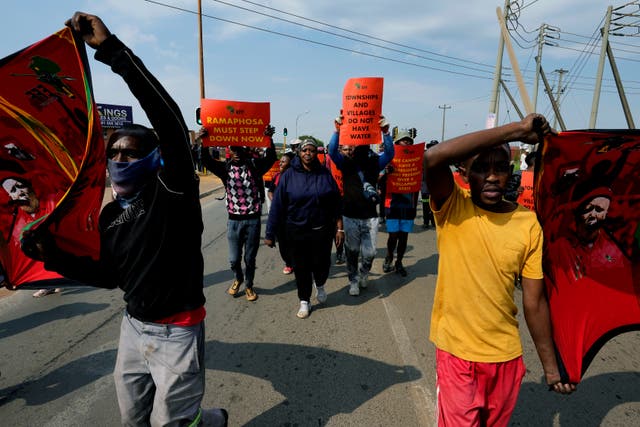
<point>476,393</point>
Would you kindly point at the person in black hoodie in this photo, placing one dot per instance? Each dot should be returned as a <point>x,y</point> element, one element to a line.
<point>150,247</point>
<point>307,203</point>
<point>360,172</point>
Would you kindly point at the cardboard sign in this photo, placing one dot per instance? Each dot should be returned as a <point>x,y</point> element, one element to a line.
<point>460,180</point>
<point>268,176</point>
<point>361,109</point>
<point>336,173</point>
<point>235,123</point>
<point>407,169</point>
<point>526,197</point>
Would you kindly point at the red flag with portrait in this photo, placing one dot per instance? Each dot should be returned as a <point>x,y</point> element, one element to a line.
<point>52,165</point>
<point>587,199</point>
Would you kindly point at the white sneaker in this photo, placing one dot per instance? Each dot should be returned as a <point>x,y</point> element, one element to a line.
<point>354,289</point>
<point>321,295</point>
<point>303,312</point>
<point>363,282</point>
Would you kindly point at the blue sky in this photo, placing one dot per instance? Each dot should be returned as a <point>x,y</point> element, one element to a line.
<point>431,55</point>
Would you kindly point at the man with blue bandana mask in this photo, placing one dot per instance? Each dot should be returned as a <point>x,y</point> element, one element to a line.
<point>150,247</point>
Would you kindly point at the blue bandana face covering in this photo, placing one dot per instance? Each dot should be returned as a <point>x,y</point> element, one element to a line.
<point>128,178</point>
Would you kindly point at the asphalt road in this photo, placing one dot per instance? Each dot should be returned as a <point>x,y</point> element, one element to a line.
<point>356,361</point>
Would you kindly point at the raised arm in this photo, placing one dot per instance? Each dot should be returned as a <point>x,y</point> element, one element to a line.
<point>162,111</point>
<point>439,158</point>
<point>334,144</point>
<point>265,163</point>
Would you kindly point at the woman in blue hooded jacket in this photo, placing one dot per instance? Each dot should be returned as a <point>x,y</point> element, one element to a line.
<point>307,203</point>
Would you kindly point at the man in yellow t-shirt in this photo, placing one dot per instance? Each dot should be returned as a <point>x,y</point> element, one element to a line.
<point>484,242</point>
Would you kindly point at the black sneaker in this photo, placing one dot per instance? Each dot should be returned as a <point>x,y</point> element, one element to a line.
<point>386,266</point>
<point>400,269</point>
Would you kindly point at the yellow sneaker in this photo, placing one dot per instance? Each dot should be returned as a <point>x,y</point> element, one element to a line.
<point>251,294</point>
<point>235,288</point>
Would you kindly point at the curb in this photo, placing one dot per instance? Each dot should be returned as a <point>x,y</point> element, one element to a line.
<point>209,192</point>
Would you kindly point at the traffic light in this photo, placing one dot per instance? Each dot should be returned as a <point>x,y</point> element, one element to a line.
<point>198,121</point>
<point>413,132</point>
<point>284,131</point>
<point>394,132</point>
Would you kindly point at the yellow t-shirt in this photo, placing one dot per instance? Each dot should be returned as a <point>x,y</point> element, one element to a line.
<point>481,253</point>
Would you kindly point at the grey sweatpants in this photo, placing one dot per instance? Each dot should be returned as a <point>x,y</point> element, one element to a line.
<point>159,373</point>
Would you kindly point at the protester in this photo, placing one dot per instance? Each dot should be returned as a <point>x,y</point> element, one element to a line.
<point>400,211</point>
<point>337,176</point>
<point>484,242</point>
<point>360,170</point>
<point>382,190</point>
<point>283,246</point>
<point>150,248</point>
<point>307,203</point>
<point>241,175</point>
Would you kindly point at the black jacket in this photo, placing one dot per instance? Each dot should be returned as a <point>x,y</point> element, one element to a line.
<point>151,249</point>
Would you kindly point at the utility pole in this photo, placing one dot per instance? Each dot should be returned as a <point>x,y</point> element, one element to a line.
<point>497,76</point>
<point>554,104</point>
<point>200,57</point>
<point>603,52</point>
<point>444,109</point>
<point>538,59</point>
<point>511,98</point>
<point>546,32</point>
<point>559,91</point>
<point>619,86</point>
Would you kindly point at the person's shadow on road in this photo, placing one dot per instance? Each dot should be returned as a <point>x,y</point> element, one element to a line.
<point>33,320</point>
<point>316,383</point>
<point>587,407</point>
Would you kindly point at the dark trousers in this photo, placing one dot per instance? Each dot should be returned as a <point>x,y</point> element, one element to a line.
<point>311,255</point>
<point>284,247</point>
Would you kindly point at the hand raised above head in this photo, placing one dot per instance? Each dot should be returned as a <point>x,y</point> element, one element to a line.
<point>535,127</point>
<point>269,130</point>
<point>384,124</point>
<point>337,122</point>
<point>90,27</point>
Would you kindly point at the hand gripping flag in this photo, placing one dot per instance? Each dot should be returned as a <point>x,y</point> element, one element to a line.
<point>588,201</point>
<point>52,166</point>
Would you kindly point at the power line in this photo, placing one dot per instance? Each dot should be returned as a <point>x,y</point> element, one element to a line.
<point>350,38</point>
<point>367,35</point>
<point>344,49</point>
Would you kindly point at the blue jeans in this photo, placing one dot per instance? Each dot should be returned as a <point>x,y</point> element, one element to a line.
<point>159,373</point>
<point>244,235</point>
<point>360,246</point>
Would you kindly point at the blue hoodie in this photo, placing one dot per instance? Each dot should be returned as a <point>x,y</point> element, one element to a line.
<point>304,200</point>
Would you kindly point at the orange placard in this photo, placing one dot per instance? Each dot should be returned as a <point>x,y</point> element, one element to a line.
<point>235,123</point>
<point>361,108</point>
<point>407,169</point>
<point>526,197</point>
<point>460,180</point>
<point>336,173</point>
<point>268,177</point>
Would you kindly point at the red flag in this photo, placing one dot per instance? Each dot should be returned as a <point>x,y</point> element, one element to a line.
<point>52,166</point>
<point>587,197</point>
